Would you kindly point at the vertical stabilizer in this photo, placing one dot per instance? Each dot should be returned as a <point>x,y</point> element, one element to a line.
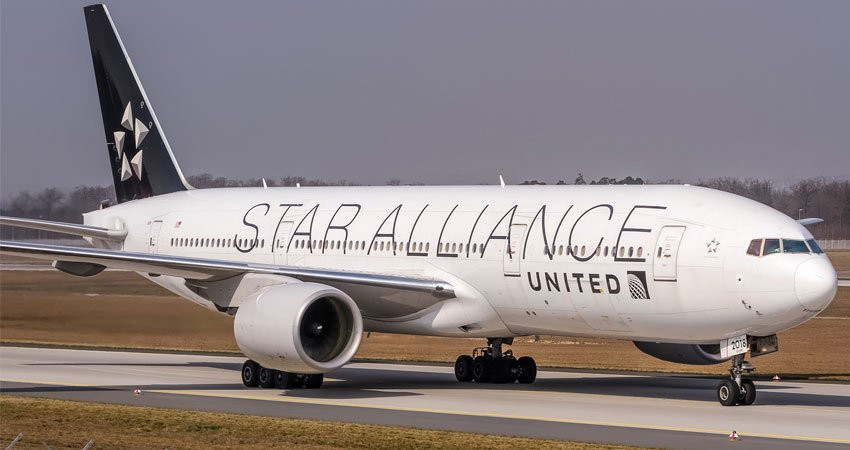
<point>141,159</point>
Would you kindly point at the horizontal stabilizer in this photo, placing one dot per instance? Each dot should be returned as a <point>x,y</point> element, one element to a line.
<point>65,228</point>
<point>809,221</point>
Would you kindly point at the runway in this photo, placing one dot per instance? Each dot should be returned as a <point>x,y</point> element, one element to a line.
<point>645,410</point>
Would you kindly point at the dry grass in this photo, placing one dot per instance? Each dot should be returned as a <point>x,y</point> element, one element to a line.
<point>122,310</point>
<point>64,424</point>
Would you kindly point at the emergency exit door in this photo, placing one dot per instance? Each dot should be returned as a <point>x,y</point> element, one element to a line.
<point>153,240</point>
<point>666,253</point>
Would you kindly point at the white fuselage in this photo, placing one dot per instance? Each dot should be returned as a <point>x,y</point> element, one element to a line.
<point>659,263</point>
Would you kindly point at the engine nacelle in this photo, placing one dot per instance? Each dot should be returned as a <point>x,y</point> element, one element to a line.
<point>299,327</point>
<point>694,354</point>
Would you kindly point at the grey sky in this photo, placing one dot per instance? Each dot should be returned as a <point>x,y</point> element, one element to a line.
<point>440,91</point>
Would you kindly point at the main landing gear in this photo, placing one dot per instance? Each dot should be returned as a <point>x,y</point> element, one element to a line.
<point>490,365</point>
<point>254,375</point>
<point>737,390</point>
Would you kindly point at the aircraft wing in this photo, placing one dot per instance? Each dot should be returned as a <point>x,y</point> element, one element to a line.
<point>211,269</point>
<point>65,228</point>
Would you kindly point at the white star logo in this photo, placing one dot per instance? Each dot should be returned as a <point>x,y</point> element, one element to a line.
<point>130,166</point>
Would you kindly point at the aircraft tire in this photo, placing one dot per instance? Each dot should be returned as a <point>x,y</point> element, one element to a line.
<point>250,371</point>
<point>267,378</point>
<point>314,380</point>
<point>748,394</point>
<point>481,366</point>
<point>728,393</point>
<point>285,380</point>
<point>463,368</point>
<point>527,370</point>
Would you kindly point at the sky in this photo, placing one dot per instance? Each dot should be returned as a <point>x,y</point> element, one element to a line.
<point>440,91</point>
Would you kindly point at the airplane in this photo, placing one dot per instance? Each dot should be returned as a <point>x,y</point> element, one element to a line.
<point>689,274</point>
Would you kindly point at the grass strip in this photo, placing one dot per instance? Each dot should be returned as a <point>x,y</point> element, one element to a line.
<point>68,424</point>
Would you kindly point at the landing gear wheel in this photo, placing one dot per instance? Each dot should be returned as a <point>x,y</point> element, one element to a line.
<point>728,393</point>
<point>527,370</point>
<point>481,369</point>
<point>500,370</point>
<point>463,368</point>
<point>249,373</point>
<point>267,378</point>
<point>285,380</point>
<point>314,380</point>
<point>748,392</point>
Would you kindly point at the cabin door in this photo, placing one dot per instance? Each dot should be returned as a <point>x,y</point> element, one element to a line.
<point>666,253</point>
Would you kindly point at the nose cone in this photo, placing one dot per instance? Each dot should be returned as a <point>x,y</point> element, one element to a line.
<point>816,283</point>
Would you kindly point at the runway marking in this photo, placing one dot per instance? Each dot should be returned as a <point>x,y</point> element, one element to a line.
<point>498,415</point>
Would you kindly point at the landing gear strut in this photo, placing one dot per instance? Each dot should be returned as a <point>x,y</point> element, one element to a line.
<point>254,375</point>
<point>491,365</point>
<point>737,390</point>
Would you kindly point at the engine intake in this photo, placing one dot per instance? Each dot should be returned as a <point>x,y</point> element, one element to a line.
<point>693,354</point>
<point>299,327</point>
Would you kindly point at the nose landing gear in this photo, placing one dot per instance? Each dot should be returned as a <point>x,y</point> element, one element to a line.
<point>491,365</point>
<point>737,390</point>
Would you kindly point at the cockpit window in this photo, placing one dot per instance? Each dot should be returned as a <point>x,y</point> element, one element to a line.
<point>814,246</point>
<point>794,246</point>
<point>771,246</point>
<point>754,248</point>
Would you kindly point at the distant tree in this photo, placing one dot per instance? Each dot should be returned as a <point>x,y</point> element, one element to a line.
<point>580,179</point>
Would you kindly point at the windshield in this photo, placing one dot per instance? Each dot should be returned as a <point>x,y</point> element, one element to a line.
<point>814,246</point>
<point>794,246</point>
<point>771,246</point>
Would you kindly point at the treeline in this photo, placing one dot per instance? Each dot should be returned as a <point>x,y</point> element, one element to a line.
<point>813,197</point>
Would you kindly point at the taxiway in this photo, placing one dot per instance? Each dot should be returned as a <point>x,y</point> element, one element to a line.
<point>646,410</point>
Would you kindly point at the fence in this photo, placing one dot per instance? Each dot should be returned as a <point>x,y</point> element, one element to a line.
<point>834,244</point>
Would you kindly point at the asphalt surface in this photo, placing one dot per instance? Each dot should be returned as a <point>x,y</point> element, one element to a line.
<point>657,411</point>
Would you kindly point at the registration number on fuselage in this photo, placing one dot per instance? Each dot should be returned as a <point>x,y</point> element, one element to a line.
<point>734,346</point>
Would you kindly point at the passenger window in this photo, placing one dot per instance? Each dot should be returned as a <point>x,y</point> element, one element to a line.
<point>475,248</point>
<point>771,246</point>
<point>814,246</point>
<point>605,252</point>
<point>460,248</point>
<point>631,251</point>
<point>754,248</point>
<point>794,246</point>
<point>640,252</point>
<point>659,253</point>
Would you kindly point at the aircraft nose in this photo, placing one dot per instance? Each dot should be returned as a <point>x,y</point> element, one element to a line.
<point>816,283</point>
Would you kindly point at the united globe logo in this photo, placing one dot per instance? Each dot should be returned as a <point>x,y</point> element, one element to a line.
<point>637,285</point>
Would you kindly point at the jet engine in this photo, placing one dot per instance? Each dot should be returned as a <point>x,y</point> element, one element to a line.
<point>694,354</point>
<point>299,327</point>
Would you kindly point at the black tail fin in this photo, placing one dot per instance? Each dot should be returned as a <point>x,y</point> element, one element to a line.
<point>142,162</point>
